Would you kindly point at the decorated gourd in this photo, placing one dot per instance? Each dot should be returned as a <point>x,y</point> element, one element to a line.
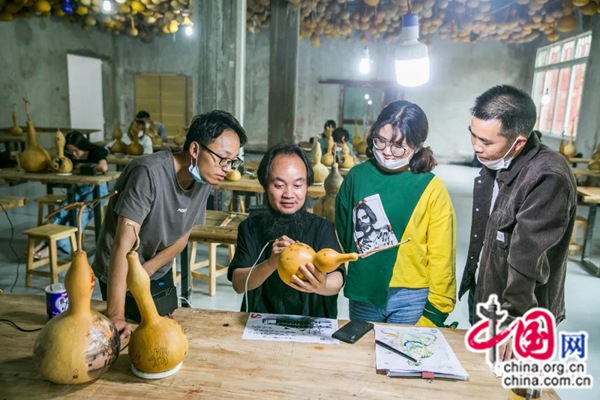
<point>15,130</point>
<point>34,158</point>
<point>158,345</point>
<point>298,254</point>
<point>80,344</point>
<point>61,164</point>
<point>320,171</point>
<point>118,146</point>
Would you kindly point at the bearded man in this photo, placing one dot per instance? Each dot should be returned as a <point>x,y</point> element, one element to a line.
<point>285,174</point>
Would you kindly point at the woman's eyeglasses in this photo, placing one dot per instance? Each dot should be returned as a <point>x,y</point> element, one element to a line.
<point>225,162</point>
<point>396,149</point>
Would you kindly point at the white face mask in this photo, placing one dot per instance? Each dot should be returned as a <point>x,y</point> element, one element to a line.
<point>140,134</point>
<point>393,164</point>
<point>500,163</point>
<point>148,124</point>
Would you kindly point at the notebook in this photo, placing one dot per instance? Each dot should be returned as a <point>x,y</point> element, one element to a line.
<point>434,356</point>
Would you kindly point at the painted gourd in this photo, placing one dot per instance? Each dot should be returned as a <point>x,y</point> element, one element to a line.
<point>118,146</point>
<point>61,164</point>
<point>158,345</point>
<point>34,158</point>
<point>320,171</point>
<point>15,130</point>
<point>298,254</point>
<point>80,344</point>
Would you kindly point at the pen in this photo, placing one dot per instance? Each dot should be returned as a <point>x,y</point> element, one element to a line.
<point>395,350</point>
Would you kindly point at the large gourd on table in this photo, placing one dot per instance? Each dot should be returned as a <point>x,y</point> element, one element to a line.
<point>80,344</point>
<point>118,146</point>
<point>61,164</point>
<point>135,148</point>
<point>158,345</point>
<point>35,158</point>
<point>328,158</point>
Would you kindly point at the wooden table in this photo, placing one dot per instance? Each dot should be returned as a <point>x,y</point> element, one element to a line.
<point>578,160</point>
<point>246,184</point>
<point>210,232</point>
<point>220,365</point>
<point>10,202</point>
<point>589,196</point>
<point>120,159</point>
<point>53,129</point>
<point>585,172</point>
<point>70,182</point>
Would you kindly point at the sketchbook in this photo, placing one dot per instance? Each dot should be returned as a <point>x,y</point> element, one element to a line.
<point>434,356</point>
<point>290,328</point>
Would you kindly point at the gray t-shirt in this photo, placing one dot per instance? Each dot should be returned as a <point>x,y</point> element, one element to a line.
<point>150,194</point>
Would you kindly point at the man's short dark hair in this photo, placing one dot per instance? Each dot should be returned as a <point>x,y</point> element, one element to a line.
<point>329,123</point>
<point>513,107</point>
<point>340,135</point>
<point>142,115</point>
<point>264,168</point>
<point>207,127</point>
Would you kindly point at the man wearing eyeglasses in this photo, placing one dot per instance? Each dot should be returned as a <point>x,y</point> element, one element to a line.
<point>160,197</point>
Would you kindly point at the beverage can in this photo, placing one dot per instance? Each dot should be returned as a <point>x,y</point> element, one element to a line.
<point>57,300</point>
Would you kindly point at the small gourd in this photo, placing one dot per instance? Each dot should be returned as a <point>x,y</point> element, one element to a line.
<point>320,171</point>
<point>135,148</point>
<point>61,164</point>
<point>298,254</point>
<point>80,344</point>
<point>158,345</point>
<point>569,149</point>
<point>15,130</point>
<point>596,153</point>
<point>325,206</point>
<point>233,175</point>
<point>118,146</point>
<point>35,158</point>
<point>347,161</point>
<point>328,157</point>
<point>153,133</point>
<point>180,138</point>
<point>356,139</point>
<point>361,148</point>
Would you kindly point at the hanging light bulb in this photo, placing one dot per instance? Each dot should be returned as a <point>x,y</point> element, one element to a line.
<point>412,58</point>
<point>106,6</point>
<point>546,98</point>
<point>364,66</point>
<point>189,30</point>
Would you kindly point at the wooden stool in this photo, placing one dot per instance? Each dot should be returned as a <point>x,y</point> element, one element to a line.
<point>214,270</point>
<point>49,233</point>
<point>574,244</point>
<point>176,275</point>
<point>50,200</point>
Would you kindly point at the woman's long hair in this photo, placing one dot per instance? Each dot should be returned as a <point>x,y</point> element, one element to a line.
<point>408,121</point>
<point>78,140</point>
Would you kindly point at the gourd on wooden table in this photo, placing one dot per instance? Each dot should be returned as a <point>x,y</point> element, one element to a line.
<point>35,158</point>
<point>60,163</point>
<point>118,146</point>
<point>80,344</point>
<point>158,345</point>
<point>320,171</point>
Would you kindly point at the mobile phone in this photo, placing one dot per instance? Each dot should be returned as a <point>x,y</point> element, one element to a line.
<point>352,331</point>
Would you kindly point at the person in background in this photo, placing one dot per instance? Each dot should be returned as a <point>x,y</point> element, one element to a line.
<point>80,151</point>
<point>414,283</point>
<point>341,135</point>
<point>143,117</point>
<point>160,197</point>
<point>285,175</point>
<point>524,207</point>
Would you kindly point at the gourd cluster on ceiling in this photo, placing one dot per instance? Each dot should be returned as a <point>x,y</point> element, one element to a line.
<point>513,21</point>
<point>140,18</point>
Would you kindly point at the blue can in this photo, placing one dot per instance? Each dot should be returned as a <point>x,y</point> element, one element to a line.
<point>57,300</point>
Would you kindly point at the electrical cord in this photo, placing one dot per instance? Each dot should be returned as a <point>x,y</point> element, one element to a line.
<point>249,272</point>
<point>11,323</point>
<point>10,244</point>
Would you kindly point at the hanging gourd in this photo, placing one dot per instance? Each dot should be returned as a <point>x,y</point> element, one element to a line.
<point>118,146</point>
<point>15,130</point>
<point>320,171</point>
<point>80,344</point>
<point>158,345</point>
<point>61,164</point>
<point>35,158</point>
<point>325,260</point>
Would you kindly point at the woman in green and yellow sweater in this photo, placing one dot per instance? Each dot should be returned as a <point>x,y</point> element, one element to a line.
<point>389,198</point>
